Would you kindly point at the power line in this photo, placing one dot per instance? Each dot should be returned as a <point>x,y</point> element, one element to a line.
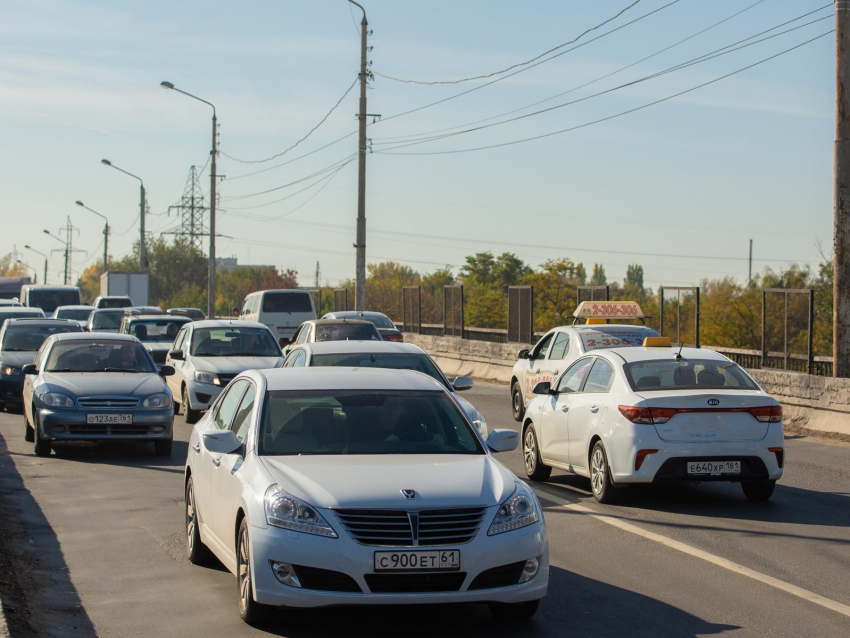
<point>594,81</point>
<point>519,64</point>
<point>604,119</point>
<point>310,132</point>
<point>694,61</point>
<point>133,225</point>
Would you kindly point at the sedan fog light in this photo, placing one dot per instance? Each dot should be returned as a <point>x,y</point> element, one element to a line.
<point>58,428</point>
<point>285,574</point>
<point>158,429</point>
<point>532,565</point>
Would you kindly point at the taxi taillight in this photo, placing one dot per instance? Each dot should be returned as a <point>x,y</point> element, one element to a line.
<point>657,416</point>
<point>768,413</point>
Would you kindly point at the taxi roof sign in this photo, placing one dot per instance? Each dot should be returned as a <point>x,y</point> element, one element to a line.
<point>609,310</point>
<point>657,342</point>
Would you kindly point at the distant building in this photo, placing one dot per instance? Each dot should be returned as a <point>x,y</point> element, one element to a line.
<point>232,263</point>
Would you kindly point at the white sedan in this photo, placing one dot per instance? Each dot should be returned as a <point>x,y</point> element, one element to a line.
<point>335,486</point>
<point>655,414</point>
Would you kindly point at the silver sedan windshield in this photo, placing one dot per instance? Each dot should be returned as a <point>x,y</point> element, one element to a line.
<point>102,356</point>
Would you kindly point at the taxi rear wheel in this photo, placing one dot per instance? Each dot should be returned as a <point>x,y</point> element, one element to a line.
<point>758,490</point>
<point>517,402</point>
<point>600,476</point>
<point>534,468</point>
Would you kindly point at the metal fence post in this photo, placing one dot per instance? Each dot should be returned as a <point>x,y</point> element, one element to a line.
<point>461,312</point>
<point>811,362</point>
<point>763,328</point>
<point>661,310</point>
<point>696,310</point>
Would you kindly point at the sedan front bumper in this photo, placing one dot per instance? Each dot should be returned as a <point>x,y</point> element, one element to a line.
<point>71,425</point>
<point>11,390</point>
<point>343,557</point>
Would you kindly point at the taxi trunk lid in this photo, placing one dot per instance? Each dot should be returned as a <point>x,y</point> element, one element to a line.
<point>709,417</point>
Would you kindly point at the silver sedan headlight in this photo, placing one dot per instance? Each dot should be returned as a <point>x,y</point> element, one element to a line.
<point>207,377</point>
<point>160,400</point>
<point>56,400</point>
<point>518,511</point>
<point>286,511</point>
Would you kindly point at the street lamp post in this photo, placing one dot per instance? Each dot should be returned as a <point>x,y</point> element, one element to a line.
<point>213,152</point>
<point>28,247</point>
<point>34,271</point>
<point>105,234</point>
<point>67,256</point>
<point>143,261</point>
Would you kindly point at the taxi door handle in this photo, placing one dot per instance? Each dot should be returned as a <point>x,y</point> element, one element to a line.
<point>555,373</point>
<point>566,408</point>
<point>594,409</point>
<point>216,461</point>
<point>197,447</point>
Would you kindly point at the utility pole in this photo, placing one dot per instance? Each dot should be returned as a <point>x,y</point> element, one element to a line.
<point>841,211</point>
<point>750,272</point>
<point>360,246</point>
<point>143,257</point>
<point>318,274</point>
<point>211,289</point>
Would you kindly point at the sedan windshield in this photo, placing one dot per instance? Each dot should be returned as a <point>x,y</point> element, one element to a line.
<point>234,341</point>
<point>106,320</point>
<point>99,356</point>
<point>77,314</point>
<point>687,374</point>
<point>392,360</point>
<point>156,330</point>
<point>364,422</point>
<point>18,338</point>
<point>347,332</point>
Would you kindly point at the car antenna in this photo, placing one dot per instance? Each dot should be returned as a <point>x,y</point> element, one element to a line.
<point>679,354</point>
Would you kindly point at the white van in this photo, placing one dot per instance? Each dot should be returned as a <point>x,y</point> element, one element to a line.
<point>281,310</point>
<point>49,298</point>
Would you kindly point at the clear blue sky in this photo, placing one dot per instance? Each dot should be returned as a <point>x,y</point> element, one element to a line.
<point>747,157</point>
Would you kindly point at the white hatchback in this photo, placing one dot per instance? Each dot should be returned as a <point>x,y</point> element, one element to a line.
<point>335,486</point>
<point>655,414</point>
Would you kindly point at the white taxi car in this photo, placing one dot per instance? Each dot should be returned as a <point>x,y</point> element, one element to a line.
<point>654,414</point>
<point>562,345</point>
<point>343,486</point>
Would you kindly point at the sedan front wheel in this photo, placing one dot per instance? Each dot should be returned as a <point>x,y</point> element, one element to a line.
<point>250,610</point>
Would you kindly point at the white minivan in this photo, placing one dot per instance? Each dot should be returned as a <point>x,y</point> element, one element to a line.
<point>281,310</point>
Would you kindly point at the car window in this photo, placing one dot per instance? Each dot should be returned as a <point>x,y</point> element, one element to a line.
<point>234,341</point>
<point>687,374</point>
<point>599,379</point>
<point>246,306</point>
<point>561,347</point>
<point>40,355</point>
<point>106,320</point>
<point>227,407</point>
<point>300,359</point>
<point>542,346</point>
<point>302,334</point>
<point>155,330</point>
<point>391,360</point>
<point>243,415</point>
<point>575,374</point>
<point>99,356</point>
<point>28,338</point>
<point>181,337</point>
<point>287,362</point>
<point>347,332</point>
<point>287,302</point>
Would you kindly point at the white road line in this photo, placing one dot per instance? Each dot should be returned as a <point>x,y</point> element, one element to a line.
<point>799,592</point>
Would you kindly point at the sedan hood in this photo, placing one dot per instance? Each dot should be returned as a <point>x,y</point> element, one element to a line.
<point>81,384</point>
<point>376,481</point>
<point>17,359</point>
<point>233,365</point>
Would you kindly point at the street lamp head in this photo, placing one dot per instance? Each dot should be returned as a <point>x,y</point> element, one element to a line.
<point>79,203</point>
<point>106,162</point>
<point>46,232</point>
<point>27,246</point>
<point>20,262</point>
<point>166,85</point>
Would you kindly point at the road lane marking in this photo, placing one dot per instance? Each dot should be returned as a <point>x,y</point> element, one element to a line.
<point>732,566</point>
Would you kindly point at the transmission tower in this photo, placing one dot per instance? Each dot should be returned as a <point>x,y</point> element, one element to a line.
<point>192,211</point>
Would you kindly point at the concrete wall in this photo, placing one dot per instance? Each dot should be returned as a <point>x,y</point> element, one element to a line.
<point>818,403</point>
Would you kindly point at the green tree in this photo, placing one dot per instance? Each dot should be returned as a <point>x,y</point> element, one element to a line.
<point>634,276</point>
<point>598,277</point>
<point>554,284</point>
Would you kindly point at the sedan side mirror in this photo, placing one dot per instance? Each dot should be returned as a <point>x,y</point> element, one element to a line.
<point>522,354</point>
<point>284,341</point>
<point>503,440</point>
<point>222,442</point>
<point>167,371</point>
<point>29,369</point>
<point>177,355</point>
<point>462,383</point>
<point>544,387</point>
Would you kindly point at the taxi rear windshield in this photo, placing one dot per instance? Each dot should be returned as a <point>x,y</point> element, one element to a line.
<point>687,374</point>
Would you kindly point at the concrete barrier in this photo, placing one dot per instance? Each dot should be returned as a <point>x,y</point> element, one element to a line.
<point>816,403</point>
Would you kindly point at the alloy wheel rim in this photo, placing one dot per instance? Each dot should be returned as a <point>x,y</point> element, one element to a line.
<point>190,519</point>
<point>597,471</point>
<point>516,403</point>
<point>244,572</point>
<point>530,452</point>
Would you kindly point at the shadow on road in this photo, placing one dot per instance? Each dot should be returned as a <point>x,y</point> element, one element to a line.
<point>33,573</point>
<point>125,454</point>
<point>581,607</point>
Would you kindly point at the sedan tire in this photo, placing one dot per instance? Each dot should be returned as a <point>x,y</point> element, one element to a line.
<point>163,447</point>
<point>191,416</point>
<point>29,433</point>
<point>534,468</point>
<point>514,611</point>
<point>43,447</point>
<point>196,551</point>
<point>758,490</point>
<point>600,476</point>
<point>517,404</point>
<point>250,610</point>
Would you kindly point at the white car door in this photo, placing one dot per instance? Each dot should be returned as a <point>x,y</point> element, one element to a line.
<point>175,381</point>
<point>532,371</point>
<point>587,408</point>
<point>555,434</point>
<point>224,465</point>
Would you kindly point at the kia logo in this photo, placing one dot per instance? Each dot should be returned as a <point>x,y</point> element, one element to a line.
<point>409,494</point>
<point>713,402</point>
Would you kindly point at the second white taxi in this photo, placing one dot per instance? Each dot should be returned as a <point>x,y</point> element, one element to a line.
<point>343,486</point>
<point>654,414</point>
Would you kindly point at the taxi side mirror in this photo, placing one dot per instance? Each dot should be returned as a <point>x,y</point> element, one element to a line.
<point>177,355</point>
<point>544,387</point>
<point>522,354</point>
<point>166,371</point>
<point>284,341</point>
<point>29,369</point>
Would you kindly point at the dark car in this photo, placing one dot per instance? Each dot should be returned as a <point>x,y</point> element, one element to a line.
<point>96,387</point>
<point>20,339</point>
<point>381,321</point>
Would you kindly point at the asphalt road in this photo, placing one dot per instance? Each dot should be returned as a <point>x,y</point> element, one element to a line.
<point>91,544</point>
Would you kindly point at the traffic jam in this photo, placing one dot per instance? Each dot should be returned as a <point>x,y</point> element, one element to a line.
<point>330,463</point>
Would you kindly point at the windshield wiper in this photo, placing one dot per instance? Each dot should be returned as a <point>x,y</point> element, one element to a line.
<point>120,370</point>
<point>205,354</point>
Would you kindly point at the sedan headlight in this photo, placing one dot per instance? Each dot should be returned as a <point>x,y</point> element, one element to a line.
<point>9,371</point>
<point>56,400</point>
<point>288,512</point>
<point>207,377</point>
<point>161,400</point>
<point>518,511</point>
